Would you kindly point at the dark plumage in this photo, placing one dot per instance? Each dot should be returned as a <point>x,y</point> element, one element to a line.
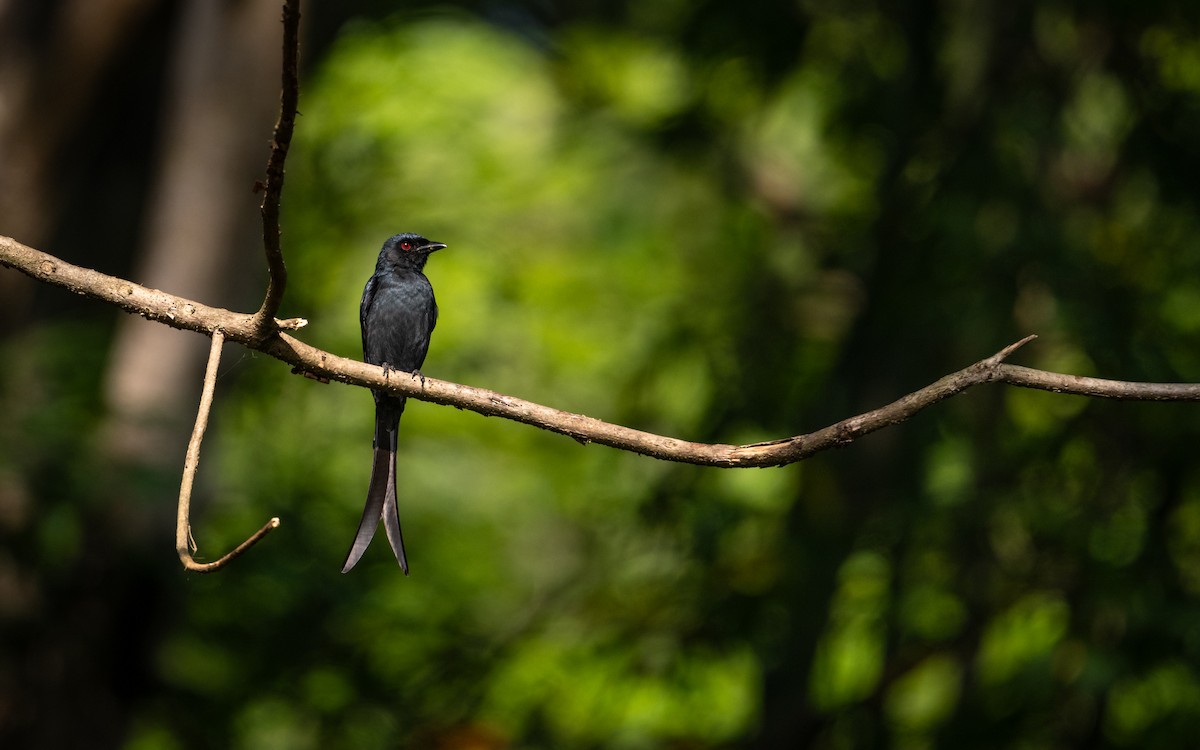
<point>398,314</point>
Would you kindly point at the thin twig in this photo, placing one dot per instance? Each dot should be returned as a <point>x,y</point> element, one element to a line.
<point>184,544</point>
<point>289,99</point>
<point>1079,385</point>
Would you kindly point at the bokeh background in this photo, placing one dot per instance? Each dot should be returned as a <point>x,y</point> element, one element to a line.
<point>724,221</point>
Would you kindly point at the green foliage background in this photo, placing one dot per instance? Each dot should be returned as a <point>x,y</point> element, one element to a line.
<point>725,222</point>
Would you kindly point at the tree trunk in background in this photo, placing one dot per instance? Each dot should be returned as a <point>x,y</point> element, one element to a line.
<point>49,73</point>
<point>202,216</point>
<point>82,614</point>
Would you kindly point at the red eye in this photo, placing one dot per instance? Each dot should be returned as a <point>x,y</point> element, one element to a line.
<point>406,245</point>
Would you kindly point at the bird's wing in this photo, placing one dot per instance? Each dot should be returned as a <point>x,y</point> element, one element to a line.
<point>364,308</point>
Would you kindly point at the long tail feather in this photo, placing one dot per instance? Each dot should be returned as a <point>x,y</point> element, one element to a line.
<point>381,492</point>
<point>391,524</point>
<point>377,496</point>
<point>391,513</point>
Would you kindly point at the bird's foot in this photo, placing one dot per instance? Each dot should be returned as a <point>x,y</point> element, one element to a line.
<point>387,370</point>
<point>418,374</point>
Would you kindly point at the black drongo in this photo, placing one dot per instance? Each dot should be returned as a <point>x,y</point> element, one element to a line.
<point>398,314</point>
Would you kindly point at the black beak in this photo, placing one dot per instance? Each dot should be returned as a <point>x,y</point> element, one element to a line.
<point>432,246</point>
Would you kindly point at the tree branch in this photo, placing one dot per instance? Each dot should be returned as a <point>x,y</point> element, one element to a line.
<point>289,98</point>
<point>184,543</point>
<point>1079,385</point>
<point>178,312</point>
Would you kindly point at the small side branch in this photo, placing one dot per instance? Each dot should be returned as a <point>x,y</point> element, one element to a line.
<point>289,99</point>
<point>184,544</point>
<point>1079,385</point>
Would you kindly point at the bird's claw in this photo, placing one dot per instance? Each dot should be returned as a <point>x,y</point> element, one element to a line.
<point>418,374</point>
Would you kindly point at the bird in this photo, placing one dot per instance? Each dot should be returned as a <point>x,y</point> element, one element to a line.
<point>397,314</point>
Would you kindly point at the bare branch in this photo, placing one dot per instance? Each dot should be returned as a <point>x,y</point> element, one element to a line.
<point>151,304</point>
<point>273,186</point>
<point>184,544</point>
<point>1027,377</point>
<point>321,365</point>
